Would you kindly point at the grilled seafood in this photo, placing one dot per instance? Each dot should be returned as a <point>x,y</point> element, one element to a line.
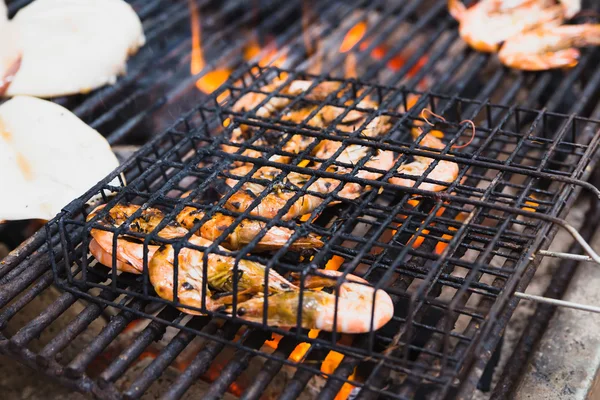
<point>549,47</point>
<point>220,270</point>
<point>130,250</point>
<point>444,171</point>
<point>105,257</point>
<point>354,306</point>
<point>488,23</point>
<point>277,199</point>
<point>251,100</point>
<point>318,117</point>
<point>319,92</point>
<point>275,238</point>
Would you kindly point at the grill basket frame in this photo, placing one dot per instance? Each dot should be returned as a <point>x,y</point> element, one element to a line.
<point>493,135</point>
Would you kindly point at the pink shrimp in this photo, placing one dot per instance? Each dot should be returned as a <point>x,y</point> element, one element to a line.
<point>488,23</point>
<point>129,250</point>
<point>352,310</point>
<point>549,47</point>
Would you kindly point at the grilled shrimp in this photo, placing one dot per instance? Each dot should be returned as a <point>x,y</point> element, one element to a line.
<point>275,238</point>
<point>444,171</point>
<point>549,47</point>
<point>355,312</point>
<point>220,277</point>
<point>130,251</point>
<point>251,100</point>
<point>104,257</point>
<point>488,23</point>
<point>317,93</point>
<point>239,136</point>
<point>277,199</point>
<point>273,202</point>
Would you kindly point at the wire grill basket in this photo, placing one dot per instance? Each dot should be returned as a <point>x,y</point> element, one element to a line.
<point>449,259</point>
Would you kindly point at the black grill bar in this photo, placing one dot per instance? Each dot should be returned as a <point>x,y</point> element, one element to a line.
<point>37,325</point>
<point>237,365</point>
<point>200,363</point>
<point>163,360</point>
<point>511,141</point>
<point>38,287</point>
<point>528,274</point>
<point>77,366</point>
<point>151,333</point>
<point>73,329</point>
<point>270,369</point>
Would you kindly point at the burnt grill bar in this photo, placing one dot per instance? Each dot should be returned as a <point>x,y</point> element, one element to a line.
<point>456,77</point>
<point>164,359</point>
<point>152,332</point>
<point>201,362</point>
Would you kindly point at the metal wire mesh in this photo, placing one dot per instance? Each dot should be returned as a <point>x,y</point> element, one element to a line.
<point>449,260</point>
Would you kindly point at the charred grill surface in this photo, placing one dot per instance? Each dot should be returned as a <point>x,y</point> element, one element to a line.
<point>450,261</point>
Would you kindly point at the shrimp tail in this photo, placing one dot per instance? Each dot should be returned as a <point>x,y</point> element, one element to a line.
<point>457,9</point>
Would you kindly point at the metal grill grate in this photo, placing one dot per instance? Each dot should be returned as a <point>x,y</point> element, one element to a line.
<point>449,68</point>
<point>450,260</point>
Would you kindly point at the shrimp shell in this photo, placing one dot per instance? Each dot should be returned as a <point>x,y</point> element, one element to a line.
<point>355,311</point>
<point>130,251</point>
<point>275,238</point>
<point>488,23</point>
<point>549,47</point>
<point>220,276</point>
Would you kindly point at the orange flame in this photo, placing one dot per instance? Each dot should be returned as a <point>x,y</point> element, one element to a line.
<point>440,246</point>
<point>335,263</point>
<point>354,35</point>
<point>333,359</point>
<point>350,66</point>
<point>302,348</point>
<point>212,80</point>
<point>396,62</point>
<point>532,204</point>
<point>133,325</point>
<point>197,62</point>
<point>307,15</point>
<point>253,49</point>
<point>214,371</point>
<point>331,362</point>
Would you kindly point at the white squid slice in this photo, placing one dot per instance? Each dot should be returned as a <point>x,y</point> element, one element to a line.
<point>3,12</point>
<point>69,46</point>
<point>48,157</point>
